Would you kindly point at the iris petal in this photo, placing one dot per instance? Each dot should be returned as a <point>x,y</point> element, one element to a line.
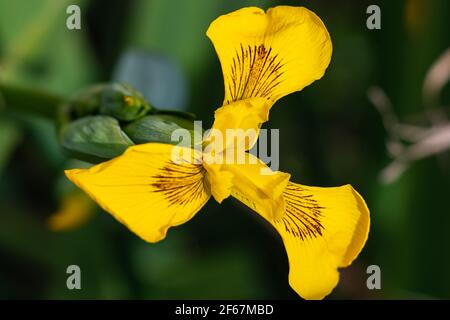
<point>322,229</point>
<point>270,54</point>
<point>149,188</point>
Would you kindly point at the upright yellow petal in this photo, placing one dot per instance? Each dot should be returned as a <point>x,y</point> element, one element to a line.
<point>150,188</point>
<point>258,186</point>
<point>220,182</point>
<point>238,123</point>
<point>322,229</point>
<point>270,54</point>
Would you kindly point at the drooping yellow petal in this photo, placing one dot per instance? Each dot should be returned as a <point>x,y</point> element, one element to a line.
<point>76,209</point>
<point>261,187</point>
<point>322,229</point>
<point>238,123</point>
<point>150,188</point>
<point>270,54</point>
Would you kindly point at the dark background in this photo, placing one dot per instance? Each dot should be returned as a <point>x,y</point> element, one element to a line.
<point>330,135</point>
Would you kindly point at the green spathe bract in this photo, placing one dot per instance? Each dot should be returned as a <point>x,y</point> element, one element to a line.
<point>94,138</point>
<point>158,128</point>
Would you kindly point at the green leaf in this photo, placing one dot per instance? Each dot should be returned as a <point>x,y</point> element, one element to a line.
<point>37,49</point>
<point>9,136</point>
<point>94,139</point>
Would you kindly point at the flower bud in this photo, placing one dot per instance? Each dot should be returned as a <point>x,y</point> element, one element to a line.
<point>104,120</point>
<point>123,103</point>
<point>115,99</point>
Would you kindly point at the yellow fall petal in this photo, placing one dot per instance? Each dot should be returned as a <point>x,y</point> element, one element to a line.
<point>76,209</point>
<point>150,188</point>
<point>270,54</point>
<point>261,187</point>
<point>322,229</point>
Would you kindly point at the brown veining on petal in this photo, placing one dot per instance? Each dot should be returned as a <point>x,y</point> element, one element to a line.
<point>303,214</point>
<point>255,72</point>
<point>180,183</point>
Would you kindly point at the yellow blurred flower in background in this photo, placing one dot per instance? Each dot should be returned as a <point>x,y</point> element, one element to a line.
<point>75,209</point>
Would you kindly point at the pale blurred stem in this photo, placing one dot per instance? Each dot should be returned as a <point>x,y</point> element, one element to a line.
<point>176,113</point>
<point>29,100</point>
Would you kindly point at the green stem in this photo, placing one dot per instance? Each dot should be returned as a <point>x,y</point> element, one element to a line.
<point>29,100</point>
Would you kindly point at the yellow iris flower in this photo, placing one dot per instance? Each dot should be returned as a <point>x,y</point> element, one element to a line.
<point>152,187</point>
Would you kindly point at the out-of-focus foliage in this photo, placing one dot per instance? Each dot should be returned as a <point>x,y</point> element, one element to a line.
<point>330,135</point>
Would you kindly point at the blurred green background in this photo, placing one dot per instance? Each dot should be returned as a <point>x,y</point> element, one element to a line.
<point>330,135</point>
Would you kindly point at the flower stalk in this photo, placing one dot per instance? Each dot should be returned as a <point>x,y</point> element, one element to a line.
<point>101,121</point>
<point>29,100</point>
